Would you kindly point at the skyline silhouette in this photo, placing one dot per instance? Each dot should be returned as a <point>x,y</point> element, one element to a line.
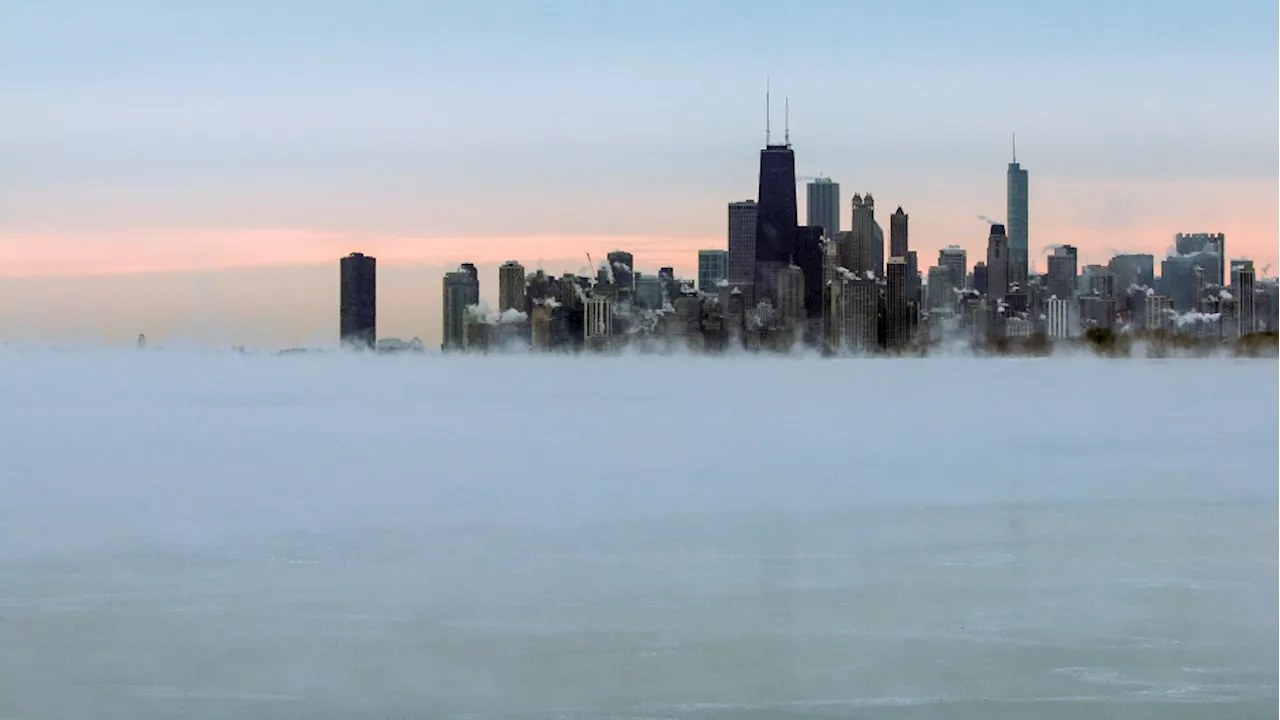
<point>432,136</point>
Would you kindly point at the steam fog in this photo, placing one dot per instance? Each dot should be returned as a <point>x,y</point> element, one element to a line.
<point>187,534</point>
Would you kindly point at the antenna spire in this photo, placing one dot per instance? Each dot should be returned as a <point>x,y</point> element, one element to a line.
<point>766,112</point>
<point>786,121</point>
<point>1015,148</point>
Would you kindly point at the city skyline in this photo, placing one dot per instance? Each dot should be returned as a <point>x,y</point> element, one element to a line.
<point>174,229</point>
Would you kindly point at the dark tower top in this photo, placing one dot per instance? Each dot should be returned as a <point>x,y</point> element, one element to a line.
<point>776,204</point>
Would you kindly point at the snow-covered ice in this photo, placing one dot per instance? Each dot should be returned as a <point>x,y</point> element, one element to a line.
<point>188,534</point>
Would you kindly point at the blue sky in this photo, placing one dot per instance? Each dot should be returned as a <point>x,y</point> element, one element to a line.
<point>333,98</point>
<point>129,124</point>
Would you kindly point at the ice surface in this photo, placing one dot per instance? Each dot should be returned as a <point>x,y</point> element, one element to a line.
<point>325,535</point>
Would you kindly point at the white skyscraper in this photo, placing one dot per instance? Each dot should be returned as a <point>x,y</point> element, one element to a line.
<point>824,206</point>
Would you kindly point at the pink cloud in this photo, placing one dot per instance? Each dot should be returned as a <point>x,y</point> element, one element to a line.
<point>178,251</point>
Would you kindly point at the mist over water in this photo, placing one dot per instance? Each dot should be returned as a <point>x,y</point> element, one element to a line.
<point>187,534</point>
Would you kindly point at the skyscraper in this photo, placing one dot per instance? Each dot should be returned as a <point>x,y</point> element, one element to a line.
<point>897,326</point>
<point>461,290</point>
<point>956,262</point>
<point>1017,213</point>
<point>980,278</point>
<point>713,266</point>
<point>358,301</point>
<point>1062,272</point>
<point>775,218</point>
<point>824,206</point>
<point>898,245</point>
<point>997,264</point>
<point>809,256</point>
<point>742,240</point>
<point>1243,285</point>
<point>860,255</point>
<point>511,286</point>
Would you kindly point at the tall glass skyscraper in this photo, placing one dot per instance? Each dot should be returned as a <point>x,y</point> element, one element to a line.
<point>1019,257</point>
<point>824,206</point>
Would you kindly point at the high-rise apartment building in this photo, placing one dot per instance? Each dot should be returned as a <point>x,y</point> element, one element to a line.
<point>1243,286</point>
<point>1062,272</point>
<point>1159,310</point>
<point>597,325</point>
<point>713,266</point>
<point>743,217</point>
<point>358,301</point>
<point>824,206</point>
<point>1060,315</point>
<point>511,286</point>
<point>853,305</point>
<point>956,262</point>
<point>997,264</point>
<point>461,291</point>
<point>1019,259</point>
<point>897,319</point>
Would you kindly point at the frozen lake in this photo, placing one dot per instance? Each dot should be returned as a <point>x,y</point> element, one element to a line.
<point>188,535</point>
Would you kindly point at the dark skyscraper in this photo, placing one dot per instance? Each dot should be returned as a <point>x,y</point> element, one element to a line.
<point>808,256</point>
<point>867,248</point>
<point>898,246</point>
<point>742,241</point>
<point>775,214</point>
<point>997,264</point>
<point>980,278</point>
<point>357,312</point>
<point>897,324</point>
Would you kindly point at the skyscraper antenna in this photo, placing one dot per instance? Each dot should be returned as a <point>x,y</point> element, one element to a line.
<point>1015,148</point>
<point>786,121</point>
<point>766,112</point>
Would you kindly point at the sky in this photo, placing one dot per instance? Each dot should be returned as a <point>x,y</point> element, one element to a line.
<point>195,170</point>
